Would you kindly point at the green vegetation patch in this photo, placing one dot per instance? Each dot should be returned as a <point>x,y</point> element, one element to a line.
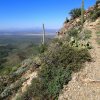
<point>87,34</point>
<point>98,33</point>
<point>74,13</point>
<point>73,32</point>
<point>98,37</point>
<point>95,15</point>
<point>96,12</point>
<point>58,63</point>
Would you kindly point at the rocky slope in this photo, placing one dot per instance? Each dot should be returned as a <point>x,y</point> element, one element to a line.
<point>85,85</point>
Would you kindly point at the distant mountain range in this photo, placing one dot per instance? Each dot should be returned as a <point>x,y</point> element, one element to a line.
<point>28,32</point>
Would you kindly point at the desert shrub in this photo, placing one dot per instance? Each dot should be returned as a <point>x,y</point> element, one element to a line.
<point>98,33</point>
<point>57,65</point>
<point>87,34</point>
<point>55,41</point>
<point>73,32</point>
<point>84,34</point>
<point>75,13</point>
<point>4,81</point>
<point>98,41</point>
<point>19,72</point>
<point>12,88</point>
<point>36,90</point>
<point>42,48</point>
<point>91,13</point>
<point>95,15</point>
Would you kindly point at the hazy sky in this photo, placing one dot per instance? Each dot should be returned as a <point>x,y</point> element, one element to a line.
<point>26,14</point>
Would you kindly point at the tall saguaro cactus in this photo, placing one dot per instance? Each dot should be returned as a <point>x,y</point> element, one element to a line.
<point>82,12</point>
<point>43,39</point>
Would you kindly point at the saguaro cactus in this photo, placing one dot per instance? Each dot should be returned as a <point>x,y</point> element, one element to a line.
<point>43,39</point>
<point>82,12</point>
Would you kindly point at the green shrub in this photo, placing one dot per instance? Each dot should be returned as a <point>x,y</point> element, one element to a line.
<point>91,13</point>
<point>75,13</point>
<point>98,41</point>
<point>73,32</point>
<point>98,37</point>
<point>95,15</point>
<point>42,48</point>
<point>87,34</point>
<point>36,90</point>
<point>98,33</point>
<point>12,88</point>
<point>58,63</point>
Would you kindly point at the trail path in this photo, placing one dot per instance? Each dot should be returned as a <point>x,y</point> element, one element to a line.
<point>85,85</point>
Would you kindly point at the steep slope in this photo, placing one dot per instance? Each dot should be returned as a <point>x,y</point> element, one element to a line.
<point>85,85</point>
<point>63,59</point>
<point>25,85</point>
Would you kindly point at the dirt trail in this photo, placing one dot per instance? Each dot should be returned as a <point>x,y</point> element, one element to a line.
<point>85,85</point>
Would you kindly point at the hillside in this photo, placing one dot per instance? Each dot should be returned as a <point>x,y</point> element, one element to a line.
<point>85,85</point>
<point>15,49</point>
<point>67,68</point>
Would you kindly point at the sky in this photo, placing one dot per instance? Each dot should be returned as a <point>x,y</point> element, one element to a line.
<point>29,14</point>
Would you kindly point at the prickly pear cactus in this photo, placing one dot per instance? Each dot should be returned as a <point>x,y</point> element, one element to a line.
<point>79,44</point>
